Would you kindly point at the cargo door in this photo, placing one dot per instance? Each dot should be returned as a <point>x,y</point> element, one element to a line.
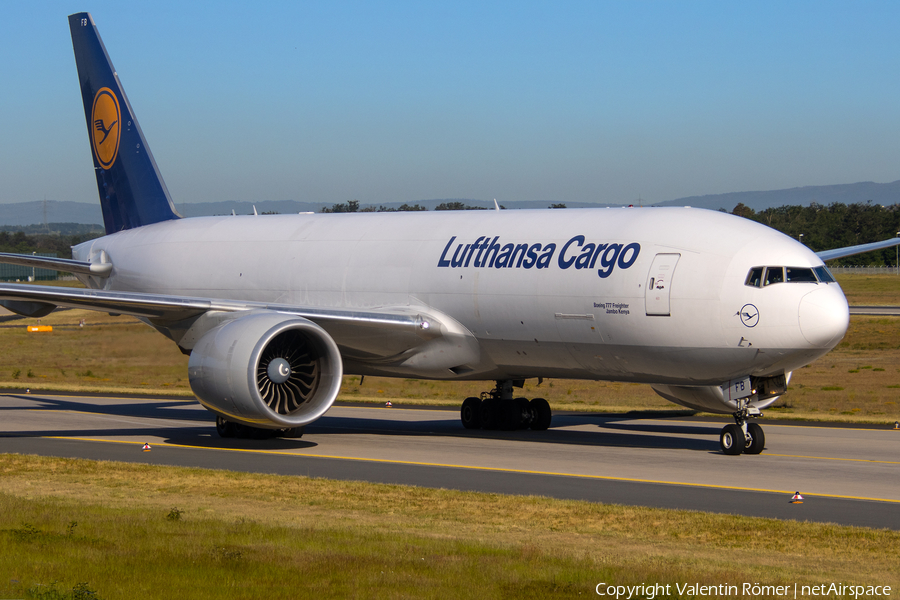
<point>659,283</point>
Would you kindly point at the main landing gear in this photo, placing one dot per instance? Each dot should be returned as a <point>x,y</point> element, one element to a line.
<point>229,429</point>
<point>743,436</point>
<point>498,409</point>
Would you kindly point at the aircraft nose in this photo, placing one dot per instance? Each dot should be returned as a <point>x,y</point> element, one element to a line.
<point>824,316</point>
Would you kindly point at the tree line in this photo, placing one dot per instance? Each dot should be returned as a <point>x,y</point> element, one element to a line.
<point>834,226</point>
<point>18,242</point>
<point>353,206</point>
<point>823,227</point>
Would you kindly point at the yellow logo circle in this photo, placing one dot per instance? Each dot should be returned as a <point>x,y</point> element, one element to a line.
<point>105,127</point>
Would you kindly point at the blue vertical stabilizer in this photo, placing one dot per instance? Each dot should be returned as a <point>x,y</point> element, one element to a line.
<point>132,192</point>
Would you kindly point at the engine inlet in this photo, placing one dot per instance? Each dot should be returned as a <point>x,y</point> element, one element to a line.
<point>288,372</point>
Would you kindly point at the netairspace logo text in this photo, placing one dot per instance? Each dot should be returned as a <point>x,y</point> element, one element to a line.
<point>649,591</point>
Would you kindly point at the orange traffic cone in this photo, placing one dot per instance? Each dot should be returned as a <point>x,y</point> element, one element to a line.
<point>146,447</point>
<point>797,498</point>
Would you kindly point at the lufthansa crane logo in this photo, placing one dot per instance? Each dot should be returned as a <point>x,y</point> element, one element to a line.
<point>106,120</point>
<point>749,315</point>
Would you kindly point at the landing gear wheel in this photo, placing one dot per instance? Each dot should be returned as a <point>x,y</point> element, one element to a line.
<point>258,433</point>
<point>292,433</point>
<point>491,411</point>
<point>515,412</point>
<point>541,415</point>
<point>757,441</point>
<point>732,440</point>
<point>497,409</point>
<point>470,413</point>
<point>225,428</point>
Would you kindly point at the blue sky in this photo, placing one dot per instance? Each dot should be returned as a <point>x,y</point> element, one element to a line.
<point>402,101</point>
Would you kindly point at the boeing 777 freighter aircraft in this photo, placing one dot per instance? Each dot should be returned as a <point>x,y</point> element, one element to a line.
<point>714,311</point>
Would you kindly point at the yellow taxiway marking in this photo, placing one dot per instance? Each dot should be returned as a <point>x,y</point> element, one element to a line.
<point>865,460</point>
<point>471,467</point>
<point>806,425</point>
<point>188,399</point>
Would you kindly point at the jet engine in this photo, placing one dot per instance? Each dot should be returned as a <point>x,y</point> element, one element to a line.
<point>266,370</point>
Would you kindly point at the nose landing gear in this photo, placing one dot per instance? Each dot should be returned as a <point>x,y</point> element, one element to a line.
<point>743,436</point>
<point>498,409</point>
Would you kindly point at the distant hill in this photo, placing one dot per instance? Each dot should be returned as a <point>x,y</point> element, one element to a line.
<point>20,214</point>
<point>291,206</point>
<point>28,213</point>
<point>849,193</point>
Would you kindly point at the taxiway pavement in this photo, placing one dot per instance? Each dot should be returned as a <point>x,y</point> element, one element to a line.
<point>847,474</point>
<point>876,311</point>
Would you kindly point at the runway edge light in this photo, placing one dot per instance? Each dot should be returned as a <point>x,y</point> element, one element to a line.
<point>797,498</point>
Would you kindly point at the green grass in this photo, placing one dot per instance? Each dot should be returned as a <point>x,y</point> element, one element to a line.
<point>110,526</point>
<point>136,553</point>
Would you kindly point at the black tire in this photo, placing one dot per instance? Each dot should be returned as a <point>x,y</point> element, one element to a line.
<point>541,414</point>
<point>470,413</point>
<point>258,433</point>
<point>731,440</point>
<point>490,413</point>
<point>292,433</point>
<point>758,441</point>
<point>225,428</point>
<point>516,414</point>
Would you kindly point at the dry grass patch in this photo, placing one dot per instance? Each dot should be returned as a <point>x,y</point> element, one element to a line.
<point>105,354</point>
<point>568,394</point>
<point>858,380</point>
<point>871,290</point>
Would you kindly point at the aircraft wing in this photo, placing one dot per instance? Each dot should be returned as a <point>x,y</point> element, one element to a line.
<point>57,264</point>
<point>16,297</point>
<point>379,335</point>
<point>162,307</point>
<point>860,249</point>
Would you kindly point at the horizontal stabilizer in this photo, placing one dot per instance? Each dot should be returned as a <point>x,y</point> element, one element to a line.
<point>57,264</point>
<point>34,310</point>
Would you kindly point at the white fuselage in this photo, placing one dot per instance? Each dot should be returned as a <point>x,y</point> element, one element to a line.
<point>556,308</point>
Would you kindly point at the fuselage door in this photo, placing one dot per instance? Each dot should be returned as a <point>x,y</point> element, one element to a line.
<point>659,282</point>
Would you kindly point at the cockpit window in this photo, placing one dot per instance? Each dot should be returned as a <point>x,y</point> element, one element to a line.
<point>824,274</point>
<point>754,277</point>
<point>774,275</point>
<point>800,275</point>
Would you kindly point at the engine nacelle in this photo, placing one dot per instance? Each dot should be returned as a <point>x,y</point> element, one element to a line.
<point>766,390</point>
<point>266,370</point>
